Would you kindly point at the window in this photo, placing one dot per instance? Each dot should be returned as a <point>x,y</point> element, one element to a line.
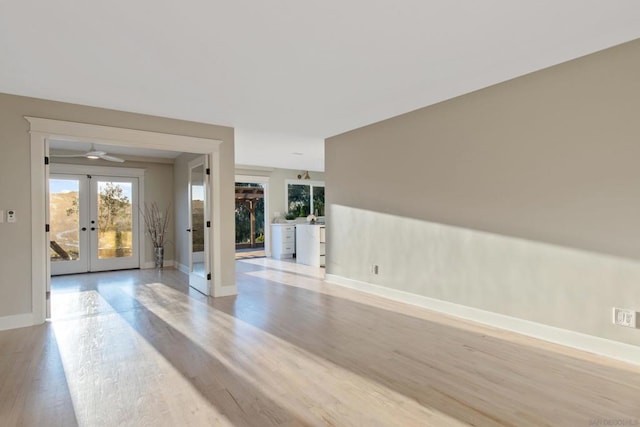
<point>317,202</point>
<point>304,198</point>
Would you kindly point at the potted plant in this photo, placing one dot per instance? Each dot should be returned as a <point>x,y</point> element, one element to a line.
<point>290,216</point>
<point>157,223</point>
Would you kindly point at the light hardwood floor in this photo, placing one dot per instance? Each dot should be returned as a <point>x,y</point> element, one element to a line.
<point>139,348</point>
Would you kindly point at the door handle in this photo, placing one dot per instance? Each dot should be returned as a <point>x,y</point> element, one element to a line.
<point>93,229</point>
<point>189,230</point>
<point>84,229</point>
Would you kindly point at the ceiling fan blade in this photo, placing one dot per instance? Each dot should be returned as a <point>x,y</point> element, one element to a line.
<point>111,158</point>
<point>94,153</point>
<point>66,155</point>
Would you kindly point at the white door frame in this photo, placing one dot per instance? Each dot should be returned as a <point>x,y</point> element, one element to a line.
<point>264,180</point>
<point>41,130</point>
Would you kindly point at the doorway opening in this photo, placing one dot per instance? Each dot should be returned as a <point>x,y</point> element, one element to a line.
<point>252,233</point>
<point>44,131</point>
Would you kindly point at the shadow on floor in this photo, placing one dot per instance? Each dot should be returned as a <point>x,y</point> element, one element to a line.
<point>33,385</point>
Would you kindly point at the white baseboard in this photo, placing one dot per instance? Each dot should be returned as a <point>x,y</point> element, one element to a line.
<point>151,264</point>
<point>225,291</point>
<point>16,321</point>
<point>601,346</point>
<point>222,291</point>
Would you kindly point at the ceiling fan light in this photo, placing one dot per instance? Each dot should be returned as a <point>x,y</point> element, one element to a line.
<point>92,157</point>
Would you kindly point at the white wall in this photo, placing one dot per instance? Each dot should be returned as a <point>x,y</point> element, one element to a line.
<point>549,284</point>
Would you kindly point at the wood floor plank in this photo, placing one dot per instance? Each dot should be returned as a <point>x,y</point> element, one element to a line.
<point>140,348</point>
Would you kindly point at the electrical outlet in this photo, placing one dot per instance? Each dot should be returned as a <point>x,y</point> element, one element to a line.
<point>11,215</point>
<point>374,268</point>
<point>624,317</point>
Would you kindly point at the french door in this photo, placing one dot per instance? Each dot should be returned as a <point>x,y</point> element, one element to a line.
<point>93,223</point>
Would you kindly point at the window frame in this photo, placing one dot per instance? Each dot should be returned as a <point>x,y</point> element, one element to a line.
<point>310,183</point>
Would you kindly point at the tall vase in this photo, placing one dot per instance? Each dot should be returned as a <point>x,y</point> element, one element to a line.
<point>158,256</point>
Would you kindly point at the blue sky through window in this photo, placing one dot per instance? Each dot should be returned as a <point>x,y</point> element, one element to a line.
<point>127,187</point>
<point>63,185</point>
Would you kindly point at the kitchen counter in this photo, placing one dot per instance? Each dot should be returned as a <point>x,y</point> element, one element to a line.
<point>310,243</point>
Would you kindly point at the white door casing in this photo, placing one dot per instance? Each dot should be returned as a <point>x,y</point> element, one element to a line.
<point>41,130</point>
<point>47,265</point>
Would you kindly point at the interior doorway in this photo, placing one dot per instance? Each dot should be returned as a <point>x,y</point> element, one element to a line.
<point>251,216</point>
<point>42,131</point>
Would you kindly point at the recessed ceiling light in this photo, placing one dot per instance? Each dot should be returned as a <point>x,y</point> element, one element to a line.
<point>295,153</point>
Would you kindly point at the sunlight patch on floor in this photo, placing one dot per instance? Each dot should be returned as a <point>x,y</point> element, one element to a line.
<point>115,376</point>
<point>275,366</point>
<point>287,266</point>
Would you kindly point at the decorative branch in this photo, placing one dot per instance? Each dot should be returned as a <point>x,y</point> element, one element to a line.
<point>156,223</point>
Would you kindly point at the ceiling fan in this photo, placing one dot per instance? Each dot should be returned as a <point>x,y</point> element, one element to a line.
<point>93,154</point>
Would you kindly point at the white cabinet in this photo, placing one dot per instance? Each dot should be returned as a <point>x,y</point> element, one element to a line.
<point>283,240</point>
<point>310,243</point>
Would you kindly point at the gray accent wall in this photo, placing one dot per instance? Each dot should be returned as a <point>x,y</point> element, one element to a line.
<point>521,199</point>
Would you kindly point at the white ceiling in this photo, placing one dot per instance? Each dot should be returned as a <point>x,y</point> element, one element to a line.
<point>288,73</point>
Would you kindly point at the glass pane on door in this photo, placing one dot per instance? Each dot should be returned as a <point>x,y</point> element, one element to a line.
<point>115,219</point>
<point>199,267</point>
<point>64,219</point>
<point>197,220</point>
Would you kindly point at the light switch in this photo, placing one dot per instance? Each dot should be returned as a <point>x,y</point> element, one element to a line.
<point>11,215</point>
<point>1,216</point>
